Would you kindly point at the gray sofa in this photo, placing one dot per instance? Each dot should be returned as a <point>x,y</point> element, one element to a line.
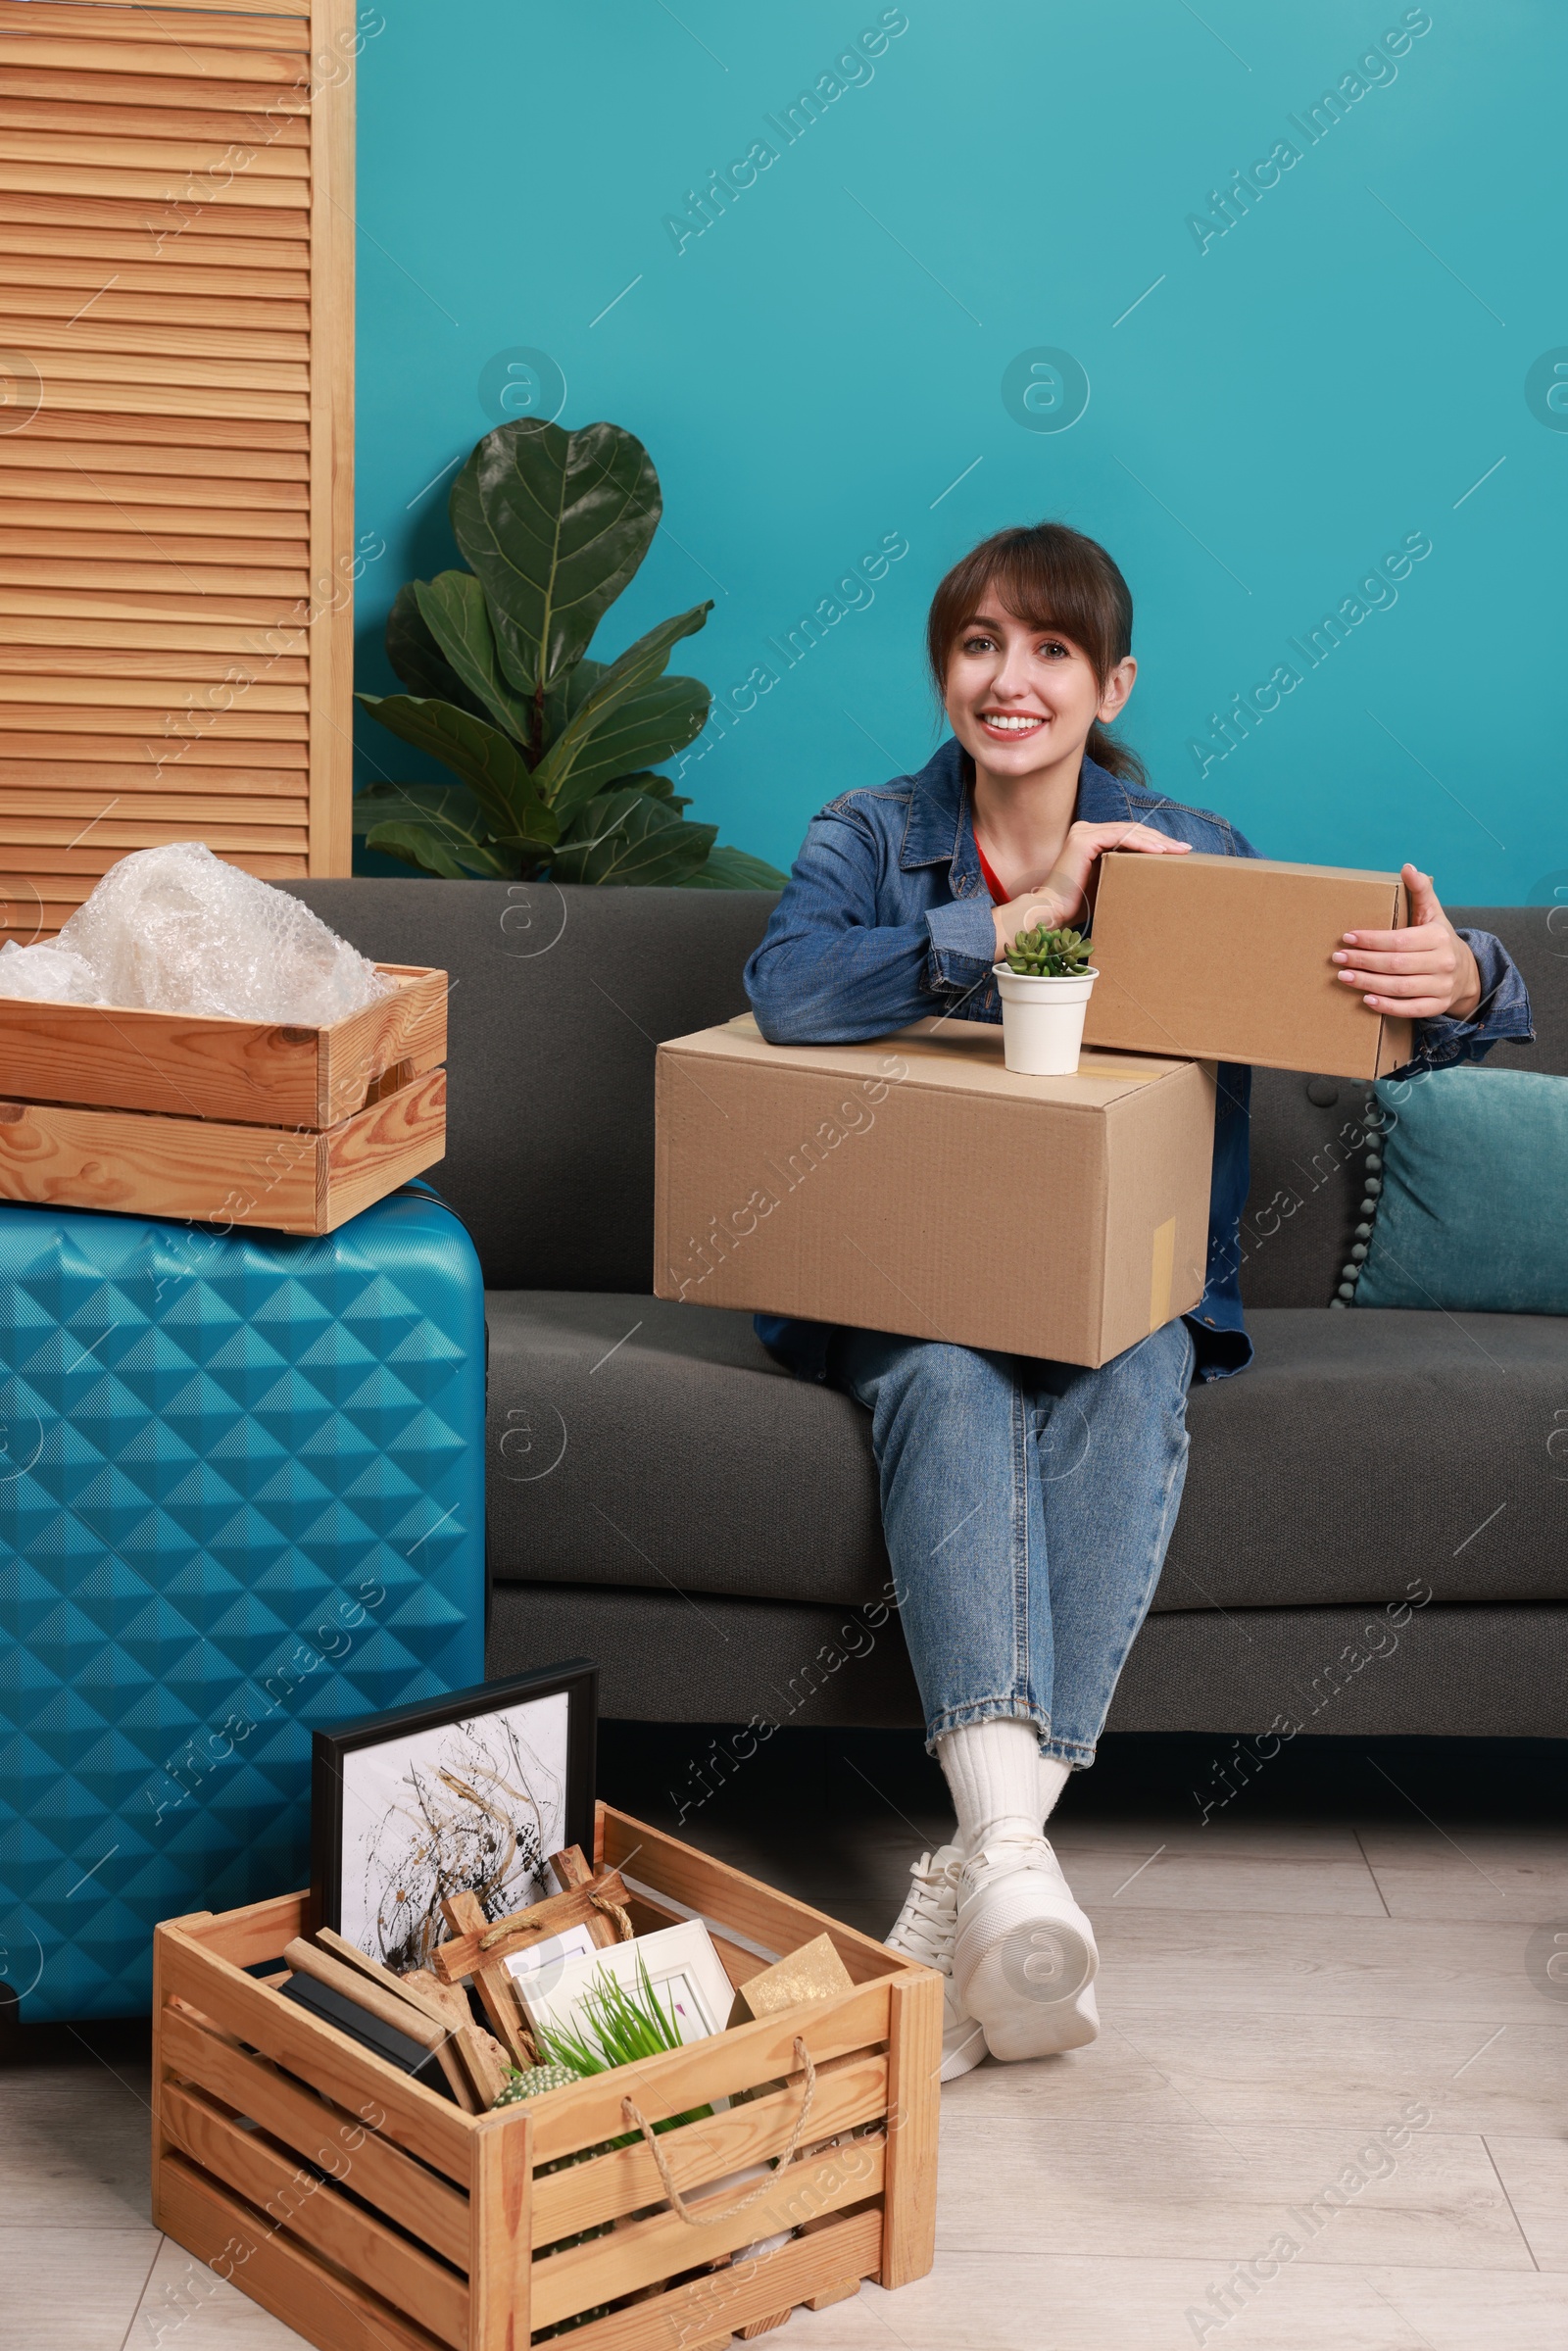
<point>662,1496</point>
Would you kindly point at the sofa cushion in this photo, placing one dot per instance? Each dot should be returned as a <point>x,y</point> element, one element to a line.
<point>1364,1450</point>
<point>637,1442</point>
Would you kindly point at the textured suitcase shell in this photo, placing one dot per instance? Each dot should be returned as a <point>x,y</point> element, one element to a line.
<point>241,1492</point>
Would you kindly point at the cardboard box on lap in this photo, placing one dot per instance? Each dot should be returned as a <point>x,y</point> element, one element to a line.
<point>1227,959</point>
<point>916,1185</point>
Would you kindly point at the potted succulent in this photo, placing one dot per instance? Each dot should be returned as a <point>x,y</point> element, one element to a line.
<point>1044,981</point>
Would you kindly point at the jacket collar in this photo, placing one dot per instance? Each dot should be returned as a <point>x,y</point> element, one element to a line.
<point>939,830</point>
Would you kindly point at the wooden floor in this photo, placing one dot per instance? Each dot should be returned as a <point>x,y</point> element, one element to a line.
<point>1276,1987</point>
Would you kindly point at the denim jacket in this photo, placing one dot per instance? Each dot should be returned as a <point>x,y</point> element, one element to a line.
<point>885,920</point>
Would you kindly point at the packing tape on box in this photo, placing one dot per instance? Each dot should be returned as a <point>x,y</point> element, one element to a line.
<point>1162,1274</point>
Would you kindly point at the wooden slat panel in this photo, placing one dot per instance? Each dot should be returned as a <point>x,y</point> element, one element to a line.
<point>103,664</point>
<point>315,2213</point>
<point>239,537</point>
<point>64,390</point>
<point>327,2134</point>
<point>98,149</point>
<point>333,457</point>
<point>145,274</point>
<point>142,752</point>
<point>501,2316</point>
<point>167,223</point>
<point>287,356</point>
<point>261,105</point>
<point>156,636</point>
<point>258,445</point>
<point>93,571</point>
<point>89,355</point>
<point>177,726</point>
<point>163,27</point>
<point>274,508</point>
<point>66,113</point>
<point>30,225</point>
<point>42,841</point>
<point>288,811</point>
<point>113,303</point>
<point>910,2205</point>
<point>250,234</point>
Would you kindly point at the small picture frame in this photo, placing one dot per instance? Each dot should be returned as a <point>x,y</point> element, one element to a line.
<point>465,1793</point>
<point>683,1966</point>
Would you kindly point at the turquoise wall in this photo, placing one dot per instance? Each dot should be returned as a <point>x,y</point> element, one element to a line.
<point>1100,263</point>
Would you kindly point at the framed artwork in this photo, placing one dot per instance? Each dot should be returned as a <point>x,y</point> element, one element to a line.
<point>683,1968</point>
<point>465,1793</point>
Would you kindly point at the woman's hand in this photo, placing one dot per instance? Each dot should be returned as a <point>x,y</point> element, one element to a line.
<point>1063,896</point>
<point>1420,973</point>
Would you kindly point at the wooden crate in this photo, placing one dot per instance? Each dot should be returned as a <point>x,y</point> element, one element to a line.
<point>242,1122</point>
<point>371,2215</point>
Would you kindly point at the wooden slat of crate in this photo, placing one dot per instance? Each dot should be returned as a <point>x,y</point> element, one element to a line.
<point>195,1971</point>
<point>569,2120</point>
<point>143,1164</point>
<point>915,2077</point>
<point>849,2090</point>
<point>260,1072</point>
<point>334,2137</point>
<point>708,2310</point>
<point>317,2213</point>
<point>242,2245</point>
<point>501,2234</point>
<point>644,2253</point>
<point>758,1910</point>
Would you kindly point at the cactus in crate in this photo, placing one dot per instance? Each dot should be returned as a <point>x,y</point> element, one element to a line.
<point>1051,955</point>
<point>533,2081</point>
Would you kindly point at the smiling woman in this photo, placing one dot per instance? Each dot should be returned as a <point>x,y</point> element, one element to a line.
<point>1027,1504</point>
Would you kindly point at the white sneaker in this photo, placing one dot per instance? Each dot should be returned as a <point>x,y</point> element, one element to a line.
<point>924,1933</point>
<point>1023,1953</point>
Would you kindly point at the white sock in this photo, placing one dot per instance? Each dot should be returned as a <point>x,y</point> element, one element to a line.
<point>998,1779</point>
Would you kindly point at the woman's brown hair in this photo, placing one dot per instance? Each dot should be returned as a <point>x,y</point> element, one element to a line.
<point>1052,577</point>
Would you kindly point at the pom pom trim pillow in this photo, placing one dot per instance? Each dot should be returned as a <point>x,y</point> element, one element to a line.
<point>1471,1215</point>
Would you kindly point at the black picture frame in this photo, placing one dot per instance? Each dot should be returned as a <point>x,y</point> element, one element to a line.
<point>333,1743</point>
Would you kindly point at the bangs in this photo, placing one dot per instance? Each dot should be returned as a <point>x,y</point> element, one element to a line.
<point>1049,576</point>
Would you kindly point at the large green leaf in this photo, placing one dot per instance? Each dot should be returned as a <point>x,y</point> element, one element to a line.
<point>488,763</point>
<point>735,870</point>
<point>630,838</point>
<point>447,814</point>
<point>452,607</point>
<point>555,524</point>
<point>418,658</point>
<point>633,718</point>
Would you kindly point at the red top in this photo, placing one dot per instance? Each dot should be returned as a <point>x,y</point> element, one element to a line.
<point>998,896</point>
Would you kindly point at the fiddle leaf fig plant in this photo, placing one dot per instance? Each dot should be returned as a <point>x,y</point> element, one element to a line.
<point>1048,954</point>
<point>555,755</point>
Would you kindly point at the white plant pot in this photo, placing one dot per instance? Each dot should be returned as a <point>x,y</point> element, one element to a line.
<point>1042,1022</point>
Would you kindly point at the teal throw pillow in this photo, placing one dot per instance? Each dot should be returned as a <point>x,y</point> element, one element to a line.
<point>1473,1210</point>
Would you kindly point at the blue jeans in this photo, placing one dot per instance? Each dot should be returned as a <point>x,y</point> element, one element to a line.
<point>1026,1506</point>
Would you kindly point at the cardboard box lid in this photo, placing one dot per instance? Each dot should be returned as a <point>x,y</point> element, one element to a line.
<point>941,1054</point>
<point>1229,958</point>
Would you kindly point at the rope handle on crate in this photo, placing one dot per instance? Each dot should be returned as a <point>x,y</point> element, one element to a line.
<point>623,1926</point>
<point>707,2220</point>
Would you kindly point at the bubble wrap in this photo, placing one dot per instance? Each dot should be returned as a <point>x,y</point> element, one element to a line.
<point>174,929</point>
<point>47,974</point>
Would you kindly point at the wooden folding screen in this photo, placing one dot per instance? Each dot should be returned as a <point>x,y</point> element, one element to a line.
<point>176,298</point>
